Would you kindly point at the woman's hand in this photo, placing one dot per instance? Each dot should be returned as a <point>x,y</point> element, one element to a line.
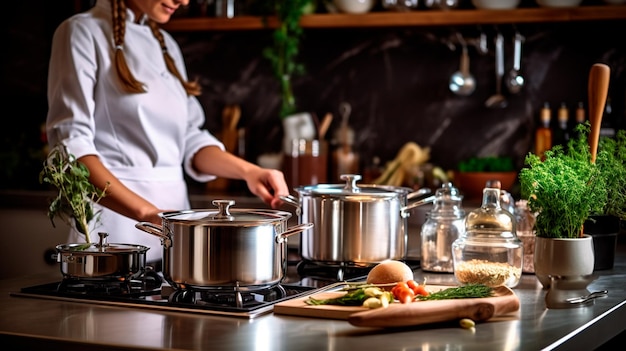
<point>267,184</point>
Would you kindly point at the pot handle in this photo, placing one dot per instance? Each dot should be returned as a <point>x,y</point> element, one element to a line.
<point>282,237</point>
<point>419,193</point>
<point>290,199</point>
<point>156,230</point>
<point>404,210</point>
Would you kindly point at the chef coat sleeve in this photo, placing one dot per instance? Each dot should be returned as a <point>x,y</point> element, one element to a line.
<point>197,138</point>
<point>71,81</point>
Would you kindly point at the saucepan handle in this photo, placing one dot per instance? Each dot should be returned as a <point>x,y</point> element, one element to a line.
<point>156,230</point>
<point>293,230</point>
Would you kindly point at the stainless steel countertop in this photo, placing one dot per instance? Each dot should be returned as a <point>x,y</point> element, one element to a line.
<point>31,323</point>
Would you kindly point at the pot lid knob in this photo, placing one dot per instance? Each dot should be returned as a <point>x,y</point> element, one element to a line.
<point>103,239</point>
<point>223,207</point>
<point>351,180</point>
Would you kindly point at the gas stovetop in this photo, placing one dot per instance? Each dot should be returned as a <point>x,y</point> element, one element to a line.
<point>151,291</point>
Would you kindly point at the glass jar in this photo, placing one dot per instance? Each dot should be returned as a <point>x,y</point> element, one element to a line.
<point>444,224</point>
<point>489,251</point>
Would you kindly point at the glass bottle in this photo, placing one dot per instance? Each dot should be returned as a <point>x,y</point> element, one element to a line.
<point>562,133</point>
<point>489,251</point>
<point>543,134</point>
<point>444,224</point>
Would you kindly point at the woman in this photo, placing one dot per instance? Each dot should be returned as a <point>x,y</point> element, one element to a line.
<point>120,102</point>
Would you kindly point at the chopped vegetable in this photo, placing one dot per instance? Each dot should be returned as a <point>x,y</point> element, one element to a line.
<point>352,298</point>
<point>417,288</point>
<point>369,297</point>
<point>467,323</point>
<point>460,292</point>
<point>403,293</point>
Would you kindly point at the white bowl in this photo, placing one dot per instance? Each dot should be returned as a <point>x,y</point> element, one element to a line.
<point>354,6</point>
<point>495,4</point>
<point>559,3</point>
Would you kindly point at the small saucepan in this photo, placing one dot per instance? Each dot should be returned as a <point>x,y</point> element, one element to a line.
<point>101,261</point>
<point>224,248</point>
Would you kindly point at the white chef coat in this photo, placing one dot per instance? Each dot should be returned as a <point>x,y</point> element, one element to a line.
<point>146,140</point>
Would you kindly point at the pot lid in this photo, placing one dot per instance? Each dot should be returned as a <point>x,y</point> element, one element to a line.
<point>101,247</point>
<point>226,215</point>
<point>351,191</point>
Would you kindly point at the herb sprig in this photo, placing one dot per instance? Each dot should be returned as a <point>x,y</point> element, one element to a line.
<point>73,203</point>
<point>459,292</point>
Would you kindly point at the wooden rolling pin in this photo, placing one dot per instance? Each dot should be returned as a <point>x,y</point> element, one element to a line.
<point>417,313</point>
<point>598,88</point>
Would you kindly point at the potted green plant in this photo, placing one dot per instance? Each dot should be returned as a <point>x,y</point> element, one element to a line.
<point>472,174</point>
<point>74,200</point>
<point>604,226</point>
<point>283,52</point>
<point>564,189</point>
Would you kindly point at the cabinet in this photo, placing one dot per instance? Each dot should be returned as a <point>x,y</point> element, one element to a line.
<point>408,19</point>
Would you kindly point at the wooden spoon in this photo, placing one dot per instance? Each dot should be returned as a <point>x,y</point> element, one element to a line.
<point>598,89</point>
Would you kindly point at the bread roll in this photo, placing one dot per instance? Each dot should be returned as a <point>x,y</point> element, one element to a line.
<point>389,271</point>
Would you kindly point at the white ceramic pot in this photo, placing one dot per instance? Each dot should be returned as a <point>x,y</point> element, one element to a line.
<point>354,6</point>
<point>297,126</point>
<point>555,257</point>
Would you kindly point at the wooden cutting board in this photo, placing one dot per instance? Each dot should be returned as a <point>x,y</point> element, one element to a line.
<point>503,302</point>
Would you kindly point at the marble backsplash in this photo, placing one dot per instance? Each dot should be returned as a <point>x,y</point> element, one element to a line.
<point>396,80</point>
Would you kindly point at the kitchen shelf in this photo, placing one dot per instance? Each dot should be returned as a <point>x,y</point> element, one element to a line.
<point>407,19</point>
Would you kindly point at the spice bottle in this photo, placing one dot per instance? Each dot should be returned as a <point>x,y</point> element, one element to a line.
<point>543,134</point>
<point>444,224</point>
<point>562,133</point>
<point>489,251</point>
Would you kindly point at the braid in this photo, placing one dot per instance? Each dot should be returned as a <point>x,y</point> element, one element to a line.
<point>129,82</point>
<point>192,88</point>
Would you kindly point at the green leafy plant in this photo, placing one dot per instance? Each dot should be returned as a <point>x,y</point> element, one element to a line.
<point>612,164</point>
<point>76,195</point>
<point>286,47</point>
<point>565,188</point>
<point>486,164</point>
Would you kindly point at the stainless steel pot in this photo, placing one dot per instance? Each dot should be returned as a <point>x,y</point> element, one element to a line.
<point>363,224</point>
<point>224,248</point>
<point>90,261</point>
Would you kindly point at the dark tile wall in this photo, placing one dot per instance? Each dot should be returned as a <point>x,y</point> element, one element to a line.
<point>396,80</point>
<point>397,83</point>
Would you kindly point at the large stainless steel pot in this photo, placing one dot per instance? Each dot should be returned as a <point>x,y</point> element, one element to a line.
<point>90,261</point>
<point>363,224</point>
<point>224,248</point>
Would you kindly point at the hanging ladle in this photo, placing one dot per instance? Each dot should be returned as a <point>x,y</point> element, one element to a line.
<point>498,100</point>
<point>515,79</point>
<point>462,82</point>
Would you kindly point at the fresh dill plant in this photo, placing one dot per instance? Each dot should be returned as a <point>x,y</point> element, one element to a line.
<point>565,188</point>
<point>612,163</point>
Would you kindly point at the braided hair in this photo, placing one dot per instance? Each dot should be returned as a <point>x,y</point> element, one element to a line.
<point>129,83</point>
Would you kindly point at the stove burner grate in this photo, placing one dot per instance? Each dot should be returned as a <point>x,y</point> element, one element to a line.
<point>333,271</point>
